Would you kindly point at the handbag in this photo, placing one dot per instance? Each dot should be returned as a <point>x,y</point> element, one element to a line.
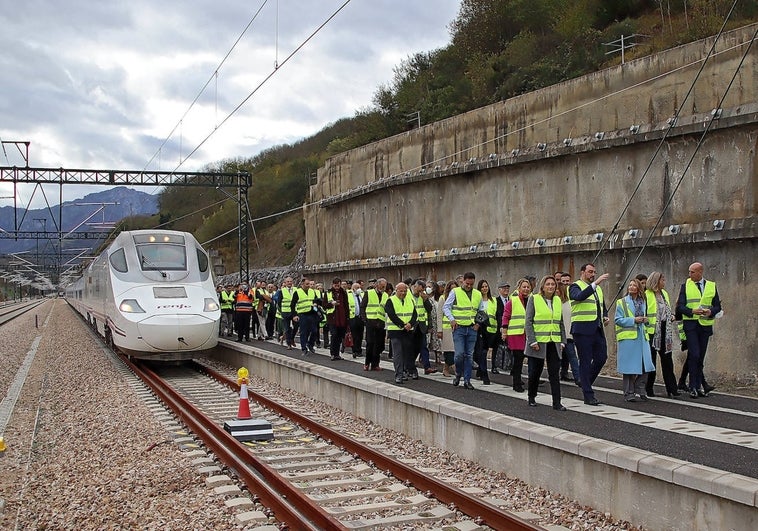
<point>482,318</point>
<point>348,341</point>
<point>506,355</point>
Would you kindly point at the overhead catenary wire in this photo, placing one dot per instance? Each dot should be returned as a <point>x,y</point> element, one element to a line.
<point>213,76</point>
<point>454,156</point>
<point>277,67</point>
<point>687,166</point>
<point>665,136</point>
<point>271,74</point>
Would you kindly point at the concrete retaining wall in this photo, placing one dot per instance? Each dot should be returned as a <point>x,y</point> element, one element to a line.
<point>607,476</point>
<point>455,196</point>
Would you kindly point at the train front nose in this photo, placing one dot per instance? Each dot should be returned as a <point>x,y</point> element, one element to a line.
<point>178,332</point>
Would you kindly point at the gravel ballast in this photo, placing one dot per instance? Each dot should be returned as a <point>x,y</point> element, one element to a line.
<point>85,452</point>
<point>77,443</point>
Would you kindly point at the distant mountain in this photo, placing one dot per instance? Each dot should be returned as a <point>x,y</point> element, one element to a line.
<point>80,215</point>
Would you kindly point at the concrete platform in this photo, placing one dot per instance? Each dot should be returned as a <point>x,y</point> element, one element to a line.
<point>607,475</point>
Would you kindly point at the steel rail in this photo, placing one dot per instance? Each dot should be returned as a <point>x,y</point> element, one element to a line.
<point>484,513</point>
<point>11,312</point>
<point>289,504</point>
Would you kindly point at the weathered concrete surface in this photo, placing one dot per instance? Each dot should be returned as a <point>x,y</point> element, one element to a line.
<point>675,494</point>
<point>415,204</point>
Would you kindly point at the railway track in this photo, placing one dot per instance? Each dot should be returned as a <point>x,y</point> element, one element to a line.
<point>11,311</point>
<point>313,477</point>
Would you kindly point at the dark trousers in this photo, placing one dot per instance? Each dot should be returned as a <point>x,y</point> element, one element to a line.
<point>518,366</point>
<point>480,355</point>
<point>667,369</point>
<point>569,359</point>
<point>270,322</point>
<point>553,374</point>
<point>420,349</point>
<point>323,329</point>
<point>289,327</point>
<point>308,330</point>
<point>337,333</point>
<point>374,345</point>
<point>242,324</point>
<point>356,329</point>
<point>593,353</point>
<point>404,359</point>
<point>697,344</point>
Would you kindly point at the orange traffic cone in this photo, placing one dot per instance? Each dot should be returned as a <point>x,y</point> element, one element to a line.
<point>243,413</point>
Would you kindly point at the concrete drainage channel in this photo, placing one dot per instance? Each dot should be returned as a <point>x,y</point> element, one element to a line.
<point>623,478</point>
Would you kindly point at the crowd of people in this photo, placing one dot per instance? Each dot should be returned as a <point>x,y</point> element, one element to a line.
<point>474,332</point>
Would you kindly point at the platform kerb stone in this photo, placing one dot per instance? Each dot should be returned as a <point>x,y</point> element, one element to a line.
<point>738,488</point>
<point>250,429</point>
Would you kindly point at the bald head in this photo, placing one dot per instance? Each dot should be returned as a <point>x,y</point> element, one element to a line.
<point>695,271</point>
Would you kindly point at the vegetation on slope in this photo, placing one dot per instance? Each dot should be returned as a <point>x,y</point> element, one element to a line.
<point>498,49</point>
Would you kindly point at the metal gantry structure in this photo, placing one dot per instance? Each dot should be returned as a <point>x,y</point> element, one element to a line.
<point>241,181</point>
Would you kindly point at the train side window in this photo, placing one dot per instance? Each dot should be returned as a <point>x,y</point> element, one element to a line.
<point>202,260</point>
<point>118,261</point>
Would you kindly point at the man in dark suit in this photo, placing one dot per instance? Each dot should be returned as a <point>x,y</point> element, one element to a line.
<point>588,317</point>
<point>504,291</point>
<point>698,303</point>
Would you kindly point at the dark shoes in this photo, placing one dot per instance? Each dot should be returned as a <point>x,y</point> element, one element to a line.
<point>565,378</point>
<point>430,371</point>
<point>708,388</point>
<point>694,394</point>
<point>702,394</point>
<point>675,394</point>
<point>592,401</point>
<point>398,380</point>
<point>467,385</point>
<point>519,388</point>
<point>414,376</point>
<point>532,402</point>
<point>456,380</point>
<point>559,407</point>
<point>650,393</point>
<point>337,358</point>
<point>495,371</point>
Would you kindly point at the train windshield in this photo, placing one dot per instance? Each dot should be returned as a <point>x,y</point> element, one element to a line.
<point>161,252</point>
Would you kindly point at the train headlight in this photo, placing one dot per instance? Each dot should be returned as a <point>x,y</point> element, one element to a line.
<point>211,305</point>
<point>130,306</point>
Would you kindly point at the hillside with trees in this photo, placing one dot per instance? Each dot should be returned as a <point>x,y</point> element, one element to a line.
<point>498,49</point>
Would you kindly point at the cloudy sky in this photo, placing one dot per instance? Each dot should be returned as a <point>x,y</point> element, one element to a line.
<point>102,84</point>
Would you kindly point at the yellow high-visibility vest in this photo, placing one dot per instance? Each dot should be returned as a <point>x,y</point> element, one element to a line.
<point>547,320</point>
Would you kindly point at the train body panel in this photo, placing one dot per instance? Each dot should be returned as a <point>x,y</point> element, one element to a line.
<point>152,295</point>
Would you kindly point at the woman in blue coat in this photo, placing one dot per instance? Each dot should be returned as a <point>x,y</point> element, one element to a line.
<point>633,358</point>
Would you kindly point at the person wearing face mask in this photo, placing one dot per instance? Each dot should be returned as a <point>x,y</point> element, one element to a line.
<point>423,310</point>
<point>354,298</point>
<point>243,311</point>
<point>433,341</point>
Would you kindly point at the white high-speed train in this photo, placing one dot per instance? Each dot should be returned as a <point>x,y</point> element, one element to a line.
<point>151,295</point>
